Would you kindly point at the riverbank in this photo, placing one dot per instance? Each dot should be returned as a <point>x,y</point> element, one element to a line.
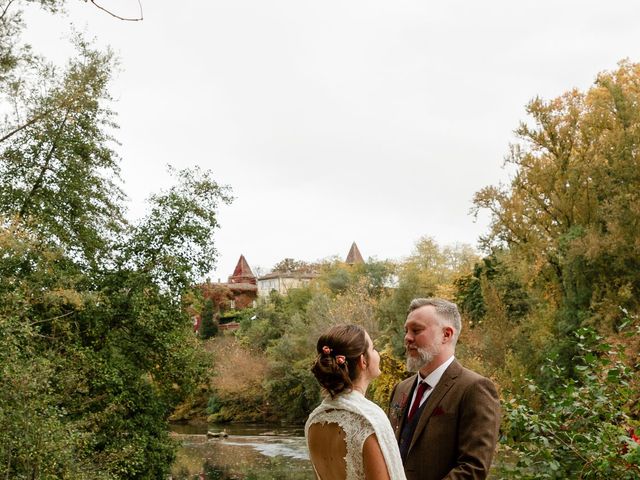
<point>251,451</point>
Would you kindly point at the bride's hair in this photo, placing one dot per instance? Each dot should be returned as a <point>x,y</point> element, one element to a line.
<point>338,352</point>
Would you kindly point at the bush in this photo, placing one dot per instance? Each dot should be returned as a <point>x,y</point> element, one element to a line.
<point>580,428</point>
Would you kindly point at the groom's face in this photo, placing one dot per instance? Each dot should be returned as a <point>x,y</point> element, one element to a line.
<point>422,338</point>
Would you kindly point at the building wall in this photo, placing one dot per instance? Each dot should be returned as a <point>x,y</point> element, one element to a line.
<point>280,284</point>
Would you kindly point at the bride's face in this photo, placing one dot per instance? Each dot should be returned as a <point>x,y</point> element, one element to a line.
<point>373,360</point>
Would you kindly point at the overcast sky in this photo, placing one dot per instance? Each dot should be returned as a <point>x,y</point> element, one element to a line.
<point>334,121</point>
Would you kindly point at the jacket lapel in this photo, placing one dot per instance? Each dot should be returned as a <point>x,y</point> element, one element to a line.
<point>404,399</point>
<point>446,382</point>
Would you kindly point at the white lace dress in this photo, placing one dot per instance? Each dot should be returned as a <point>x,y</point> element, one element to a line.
<point>359,418</point>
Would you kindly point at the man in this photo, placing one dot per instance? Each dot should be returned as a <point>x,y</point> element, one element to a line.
<point>447,428</point>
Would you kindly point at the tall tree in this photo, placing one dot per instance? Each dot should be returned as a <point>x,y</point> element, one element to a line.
<point>95,347</point>
<point>60,173</point>
<point>208,325</point>
<point>570,213</point>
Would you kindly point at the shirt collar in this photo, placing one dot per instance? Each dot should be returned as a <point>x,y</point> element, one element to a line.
<point>434,377</point>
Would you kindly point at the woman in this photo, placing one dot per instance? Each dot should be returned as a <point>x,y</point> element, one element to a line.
<point>350,437</point>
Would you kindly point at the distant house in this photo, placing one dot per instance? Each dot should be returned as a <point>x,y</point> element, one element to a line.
<point>282,282</point>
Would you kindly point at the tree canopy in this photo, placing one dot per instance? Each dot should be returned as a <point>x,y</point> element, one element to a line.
<point>96,349</point>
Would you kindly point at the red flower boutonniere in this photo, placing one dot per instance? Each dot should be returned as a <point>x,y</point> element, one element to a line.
<point>397,407</point>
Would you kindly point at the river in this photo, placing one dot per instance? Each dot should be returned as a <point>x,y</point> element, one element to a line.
<point>250,452</point>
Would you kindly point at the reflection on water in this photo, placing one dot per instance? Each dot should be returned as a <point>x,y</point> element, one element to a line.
<point>274,446</point>
<point>250,452</point>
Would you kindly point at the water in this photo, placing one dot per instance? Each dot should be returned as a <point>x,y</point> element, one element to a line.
<point>250,452</point>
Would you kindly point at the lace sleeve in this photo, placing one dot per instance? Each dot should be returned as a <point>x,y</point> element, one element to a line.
<point>357,429</point>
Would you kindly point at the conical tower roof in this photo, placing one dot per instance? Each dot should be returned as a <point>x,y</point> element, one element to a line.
<point>242,272</point>
<point>354,256</point>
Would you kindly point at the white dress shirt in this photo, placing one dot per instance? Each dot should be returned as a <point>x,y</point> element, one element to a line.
<point>432,380</point>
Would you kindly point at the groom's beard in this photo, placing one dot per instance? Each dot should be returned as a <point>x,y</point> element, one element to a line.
<point>425,356</point>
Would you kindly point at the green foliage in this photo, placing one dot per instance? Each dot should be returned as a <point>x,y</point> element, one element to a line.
<point>291,388</point>
<point>234,315</point>
<point>286,328</point>
<point>262,326</point>
<point>570,212</point>
<point>248,408</point>
<point>580,428</point>
<point>471,290</point>
<point>208,325</point>
<point>290,265</point>
<point>380,276</point>
<point>59,174</point>
<point>392,371</point>
<point>173,243</point>
<point>95,348</point>
<point>14,54</point>
<point>376,275</point>
<point>100,359</point>
<point>338,279</point>
<point>429,271</point>
<point>563,256</point>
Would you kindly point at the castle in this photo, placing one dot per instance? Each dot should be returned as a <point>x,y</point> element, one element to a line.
<point>246,287</point>
<point>243,288</point>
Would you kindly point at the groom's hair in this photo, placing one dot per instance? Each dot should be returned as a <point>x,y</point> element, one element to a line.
<point>339,350</point>
<point>446,311</point>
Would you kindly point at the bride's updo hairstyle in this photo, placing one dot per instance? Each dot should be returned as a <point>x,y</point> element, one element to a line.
<point>338,352</point>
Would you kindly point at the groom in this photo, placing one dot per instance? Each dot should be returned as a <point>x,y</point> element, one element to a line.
<point>446,418</point>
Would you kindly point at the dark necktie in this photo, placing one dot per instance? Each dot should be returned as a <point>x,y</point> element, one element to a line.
<point>422,387</point>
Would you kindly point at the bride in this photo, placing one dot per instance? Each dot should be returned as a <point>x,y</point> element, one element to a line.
<point>350,437</point>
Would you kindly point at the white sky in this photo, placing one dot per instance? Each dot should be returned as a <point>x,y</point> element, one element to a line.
<point>334,121</point>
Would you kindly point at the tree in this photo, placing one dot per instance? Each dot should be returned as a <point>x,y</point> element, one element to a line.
<point>570,213</point>
<point>289,265</point>
<point>95,347</point>
<point>60,173</point>
<point>430,270</point>
<point>172,243</point>
<point>13,54</point>
<point>111,350</point>
<point>208,325</point>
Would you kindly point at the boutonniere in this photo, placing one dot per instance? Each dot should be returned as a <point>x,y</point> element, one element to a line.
<point>438,411</point>
<point>398,407</point>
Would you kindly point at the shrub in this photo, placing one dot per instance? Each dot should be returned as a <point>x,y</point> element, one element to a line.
<point>580,428</point>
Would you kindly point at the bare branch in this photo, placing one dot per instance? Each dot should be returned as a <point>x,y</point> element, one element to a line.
<point>118,16</point>
<point>39,181</point>
<point>52,319</point>
<point>29,123</point>
<point>4,12</point>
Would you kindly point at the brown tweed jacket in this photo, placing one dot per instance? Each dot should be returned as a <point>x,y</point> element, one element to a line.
<point>457,432</point>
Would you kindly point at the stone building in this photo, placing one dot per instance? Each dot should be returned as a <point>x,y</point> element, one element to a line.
<point>282,282</point>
